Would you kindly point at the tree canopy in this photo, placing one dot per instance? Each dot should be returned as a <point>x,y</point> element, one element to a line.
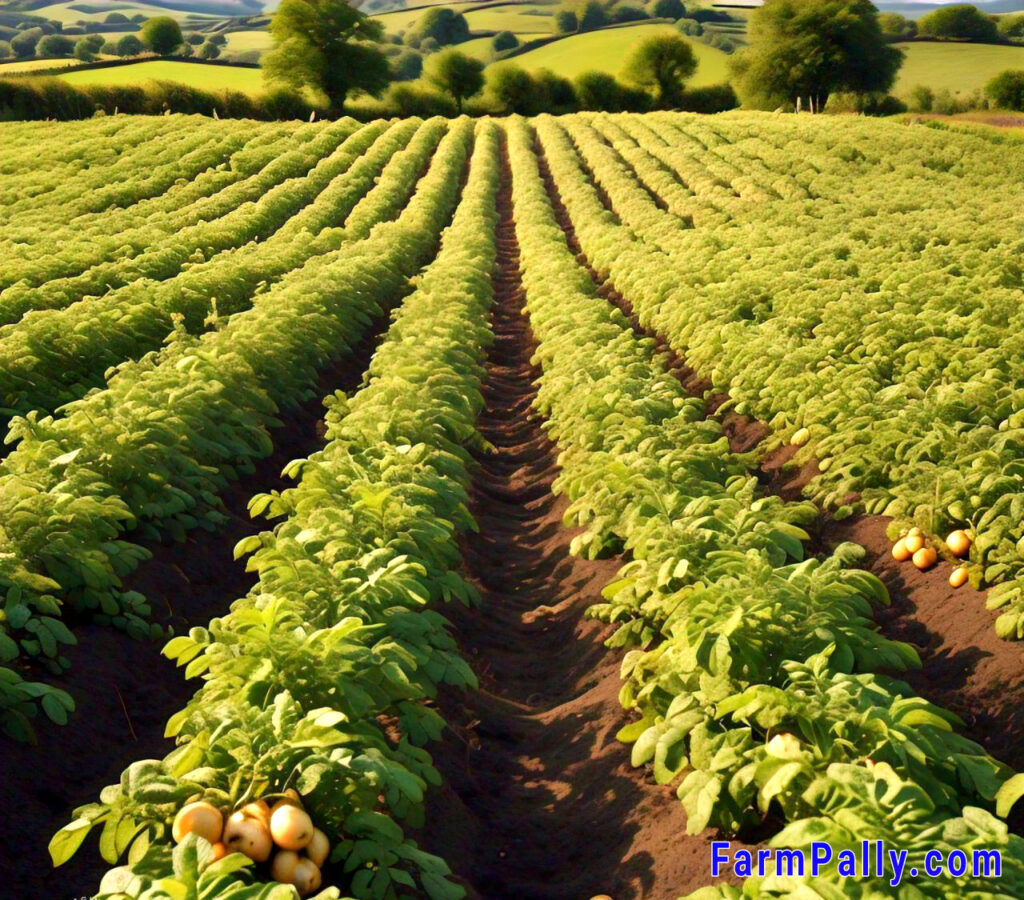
<point>325,45</point>
<point>1006,90</point>
<point>813,48</point>
<point>458,75</point>
<point>444,25</point>
<point>162,35</point>
<point>962,22</point>
<point>661,64</point>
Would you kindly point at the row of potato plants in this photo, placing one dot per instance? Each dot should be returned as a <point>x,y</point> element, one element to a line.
<point>750,666</point>
<point>342,633</point>
<point>898,352</point>
<point>64,153</point>
<point>95,270</point>
<point>261,162</point>
<point>152,451</point>
<point>160,178</point>
<point>55,356</point>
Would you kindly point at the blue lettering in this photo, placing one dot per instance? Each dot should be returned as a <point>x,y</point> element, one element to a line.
<point>847,863</point>
<point>898,858</point>
<point>821,856</point>
<point>985,858</point>
<point>933,871</point>
<point>742,864</point>
<point>762,857</point>
<point>788,860</point>
<point>960,866</point>
<point>719,856</point>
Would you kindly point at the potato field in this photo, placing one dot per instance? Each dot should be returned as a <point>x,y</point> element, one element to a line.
<point>509,508</point>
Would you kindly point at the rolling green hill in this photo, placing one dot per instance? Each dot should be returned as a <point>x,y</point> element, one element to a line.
<point>957,67</point>
<point>606,49</point>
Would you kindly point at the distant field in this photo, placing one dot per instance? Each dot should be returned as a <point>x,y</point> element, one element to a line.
<point>515,18</point>
<point>209,78</point>
<point>606,50</point>
<point>97,12</point>
<point>957,67</point>
<point>483,47</point>
<point>30,65</point>
<point>402,19</point>
<point>240,41</point>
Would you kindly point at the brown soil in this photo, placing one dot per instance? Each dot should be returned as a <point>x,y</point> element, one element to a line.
<point>966,668</point>
<point>124,689</point>
<point>540,799</point>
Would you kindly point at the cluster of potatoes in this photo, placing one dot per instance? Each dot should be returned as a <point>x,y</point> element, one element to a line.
<point>283,831</point>
<point>913,546</point>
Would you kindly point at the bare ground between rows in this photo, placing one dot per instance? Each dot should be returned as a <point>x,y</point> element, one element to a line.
<point>540,799</point>
<point>966,667</point>
<point>124,689</point>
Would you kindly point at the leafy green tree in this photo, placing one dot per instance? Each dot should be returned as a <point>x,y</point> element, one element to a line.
<point>24,44</point>
<point>962,22</point>
<point>1011,27</point>
<point>406,65</point>
<point>512,88</point>
<point>162,35</point>
<point>115,18</point>
<point>598,91</point>
<point>922,98</point>
<point>667,9</point>
<point>556,92</point>
<point>186,50</point>
<point>1006,90</point>
<point>813,48</point>
<point>504,40</point>
<point>219,39</point>
<point>444,25</point>
<point>627,12</point>
<point>129,45</point>
<point>896,27</point>
<point>566,21</point>
<point>195,39</point>
<point>325,45</point>
<point>661,64</point>
<point>6,51</point>
<point>109,48</point>
<point>86,48</point>
<point>55,45</point>
<point>592,15</point>
<point>209,50</point>
<point>456,74</point>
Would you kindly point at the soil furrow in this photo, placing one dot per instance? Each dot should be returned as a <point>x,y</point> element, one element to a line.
<point>540,799</point>
<point>966,668</point>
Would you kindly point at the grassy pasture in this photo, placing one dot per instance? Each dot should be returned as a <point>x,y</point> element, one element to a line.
<point>210,78</point>
<point>954,66</point>
<point>605,50</point>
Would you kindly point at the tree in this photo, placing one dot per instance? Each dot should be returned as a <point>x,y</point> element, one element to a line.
<point>55,45</point>
<point>456,74</point>
<point>661,64</point>
<point>811,49</point>
<point>922,98</point>
<point>598,91</point>
<point>961,22</point>
<point>627,12</point>
<point>566,21</point>
<point>87,48</point>
<point>209,50</point>
<point>6,51</point>
<point>444,25</point>
<point>406,66</point>
<point>512,88</point>
<point>592,15</point>
<point>195,39</point>
<point>326,45</point>
<point>186,50</point>
<point>896,27</point>
<point>129,45</point>
<point>1006,90</point>
<point>218,39</point>
<point>556,92</point>
<point>116,18</point>
<point>162,35</point>
<point>667,9</point>
<point>504,40</point>
<point>1011,27</point>
<point>24,44</point>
